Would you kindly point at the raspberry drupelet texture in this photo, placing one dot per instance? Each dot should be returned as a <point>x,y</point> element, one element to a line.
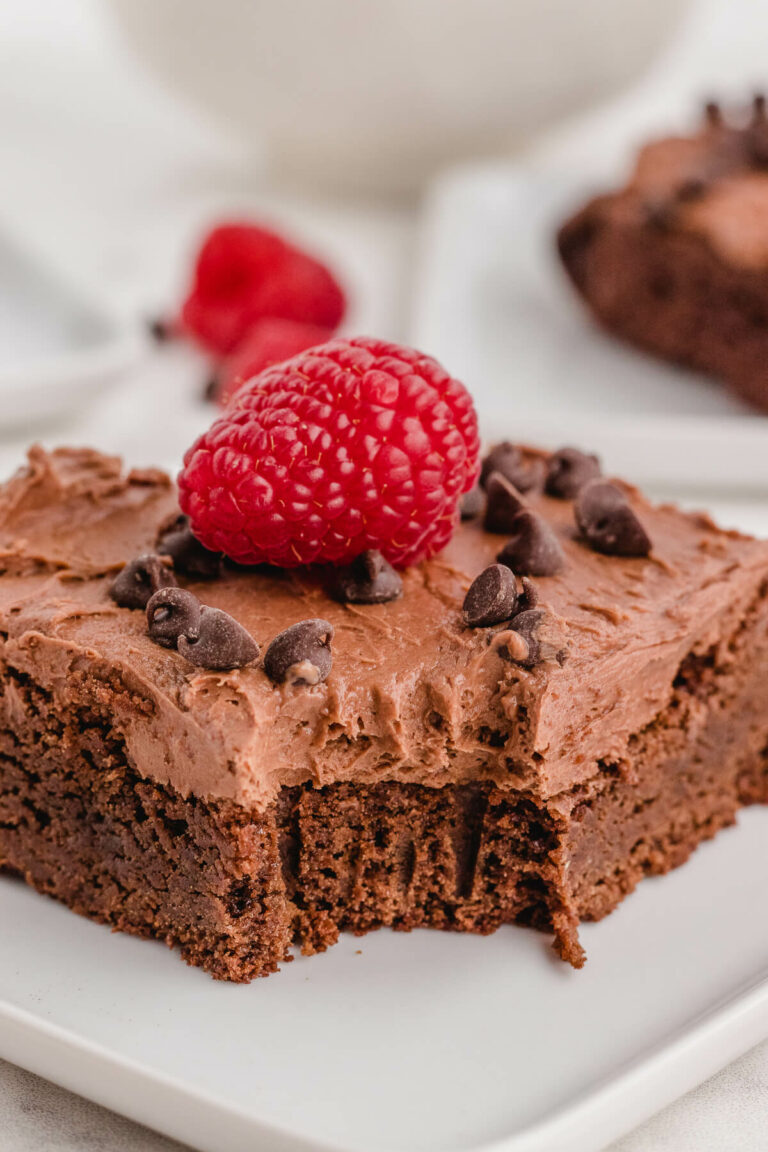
<point>244,273</point>
<point>269,342</point>
<point>354,445</point>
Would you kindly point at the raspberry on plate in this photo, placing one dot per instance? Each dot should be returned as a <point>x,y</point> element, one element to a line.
<point>269,342</point>
<point>242,274</point>
<point>354,445</point>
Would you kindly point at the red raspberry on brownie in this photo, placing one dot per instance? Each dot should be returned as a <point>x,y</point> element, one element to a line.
<point>269,342</point>
<point>354,445</point>
<point>244,273</point>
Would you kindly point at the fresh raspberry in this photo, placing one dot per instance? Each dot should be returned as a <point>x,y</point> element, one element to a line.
<point>244,273</point>
<point>269,342</point>
<point>354,445</point>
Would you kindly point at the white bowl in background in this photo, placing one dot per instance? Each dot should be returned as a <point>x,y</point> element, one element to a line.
<point>377,96</point>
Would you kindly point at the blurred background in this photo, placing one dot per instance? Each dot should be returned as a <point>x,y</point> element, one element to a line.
<point>129,126</point>
<point>425,150</point>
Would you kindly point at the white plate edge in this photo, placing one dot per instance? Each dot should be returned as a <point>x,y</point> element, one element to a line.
<point>593,1118</point>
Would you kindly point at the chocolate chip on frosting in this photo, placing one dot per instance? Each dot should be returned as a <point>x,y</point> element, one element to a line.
<point>301,654</point>
<point>608,523</point>
<point>139,579</point>
<point>507,459</point>
<point>491,598</point>
<point>219,642</point>
<point>472,503</point>
<point>568,471</point>
<point>533,548</point>
<point>171,613</point>
<point>529,597</point>
<point>502,504</point>
<point>369,579</point>
<point>533,638</point>
<point>185,550</point>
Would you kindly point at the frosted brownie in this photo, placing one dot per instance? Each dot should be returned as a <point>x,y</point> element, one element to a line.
<point>448,772</point>
<point>676,261</point>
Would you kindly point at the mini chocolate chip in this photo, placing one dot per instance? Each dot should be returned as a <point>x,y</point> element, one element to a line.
<point>472,503</point>
<point>608,523</point>
<point>507,459</point>
<point>491,598</point>
<point>534,638</point>
<point>526,625</point>
<point>503,504</point>
<point>529,597</point>
<point>135,584</point>
<point>173,612</point>
<point>210,391</point>
<point>301,654</point>
<point>568,471</point>
<point>220,642</point>
<point>369,579</point>
<point>186,551</point>
<point>533,548</point>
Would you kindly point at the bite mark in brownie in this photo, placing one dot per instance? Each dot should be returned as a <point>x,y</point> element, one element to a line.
<point>427,782</point>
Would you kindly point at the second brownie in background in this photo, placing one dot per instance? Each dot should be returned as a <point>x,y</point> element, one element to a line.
<point>676,261</point>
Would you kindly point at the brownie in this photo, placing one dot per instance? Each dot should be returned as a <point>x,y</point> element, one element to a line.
<point>442,775</point>
<point>676,261</point>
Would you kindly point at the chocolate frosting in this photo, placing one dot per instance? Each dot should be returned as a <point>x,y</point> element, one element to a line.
<point>730,214</point>
<point>413,695</point>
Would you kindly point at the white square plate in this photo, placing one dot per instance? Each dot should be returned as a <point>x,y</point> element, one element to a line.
<point>494,305</point>
<point>416,1042</point>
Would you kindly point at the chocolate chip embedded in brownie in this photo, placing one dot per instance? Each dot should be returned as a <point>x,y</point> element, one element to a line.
<point>676,261</point>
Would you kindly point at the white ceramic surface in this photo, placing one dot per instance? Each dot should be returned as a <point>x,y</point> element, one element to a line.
<point>493,303</point>
<point>59,351</point>
<point>380,95</point>
<point>405,1042</point>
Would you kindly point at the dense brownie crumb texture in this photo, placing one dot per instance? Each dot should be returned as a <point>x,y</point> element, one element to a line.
<point>238,760</point>
<point>677,260</point>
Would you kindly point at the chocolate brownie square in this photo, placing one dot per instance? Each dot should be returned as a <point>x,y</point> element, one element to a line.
<point>522,755</point>
<point>676,261</point>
